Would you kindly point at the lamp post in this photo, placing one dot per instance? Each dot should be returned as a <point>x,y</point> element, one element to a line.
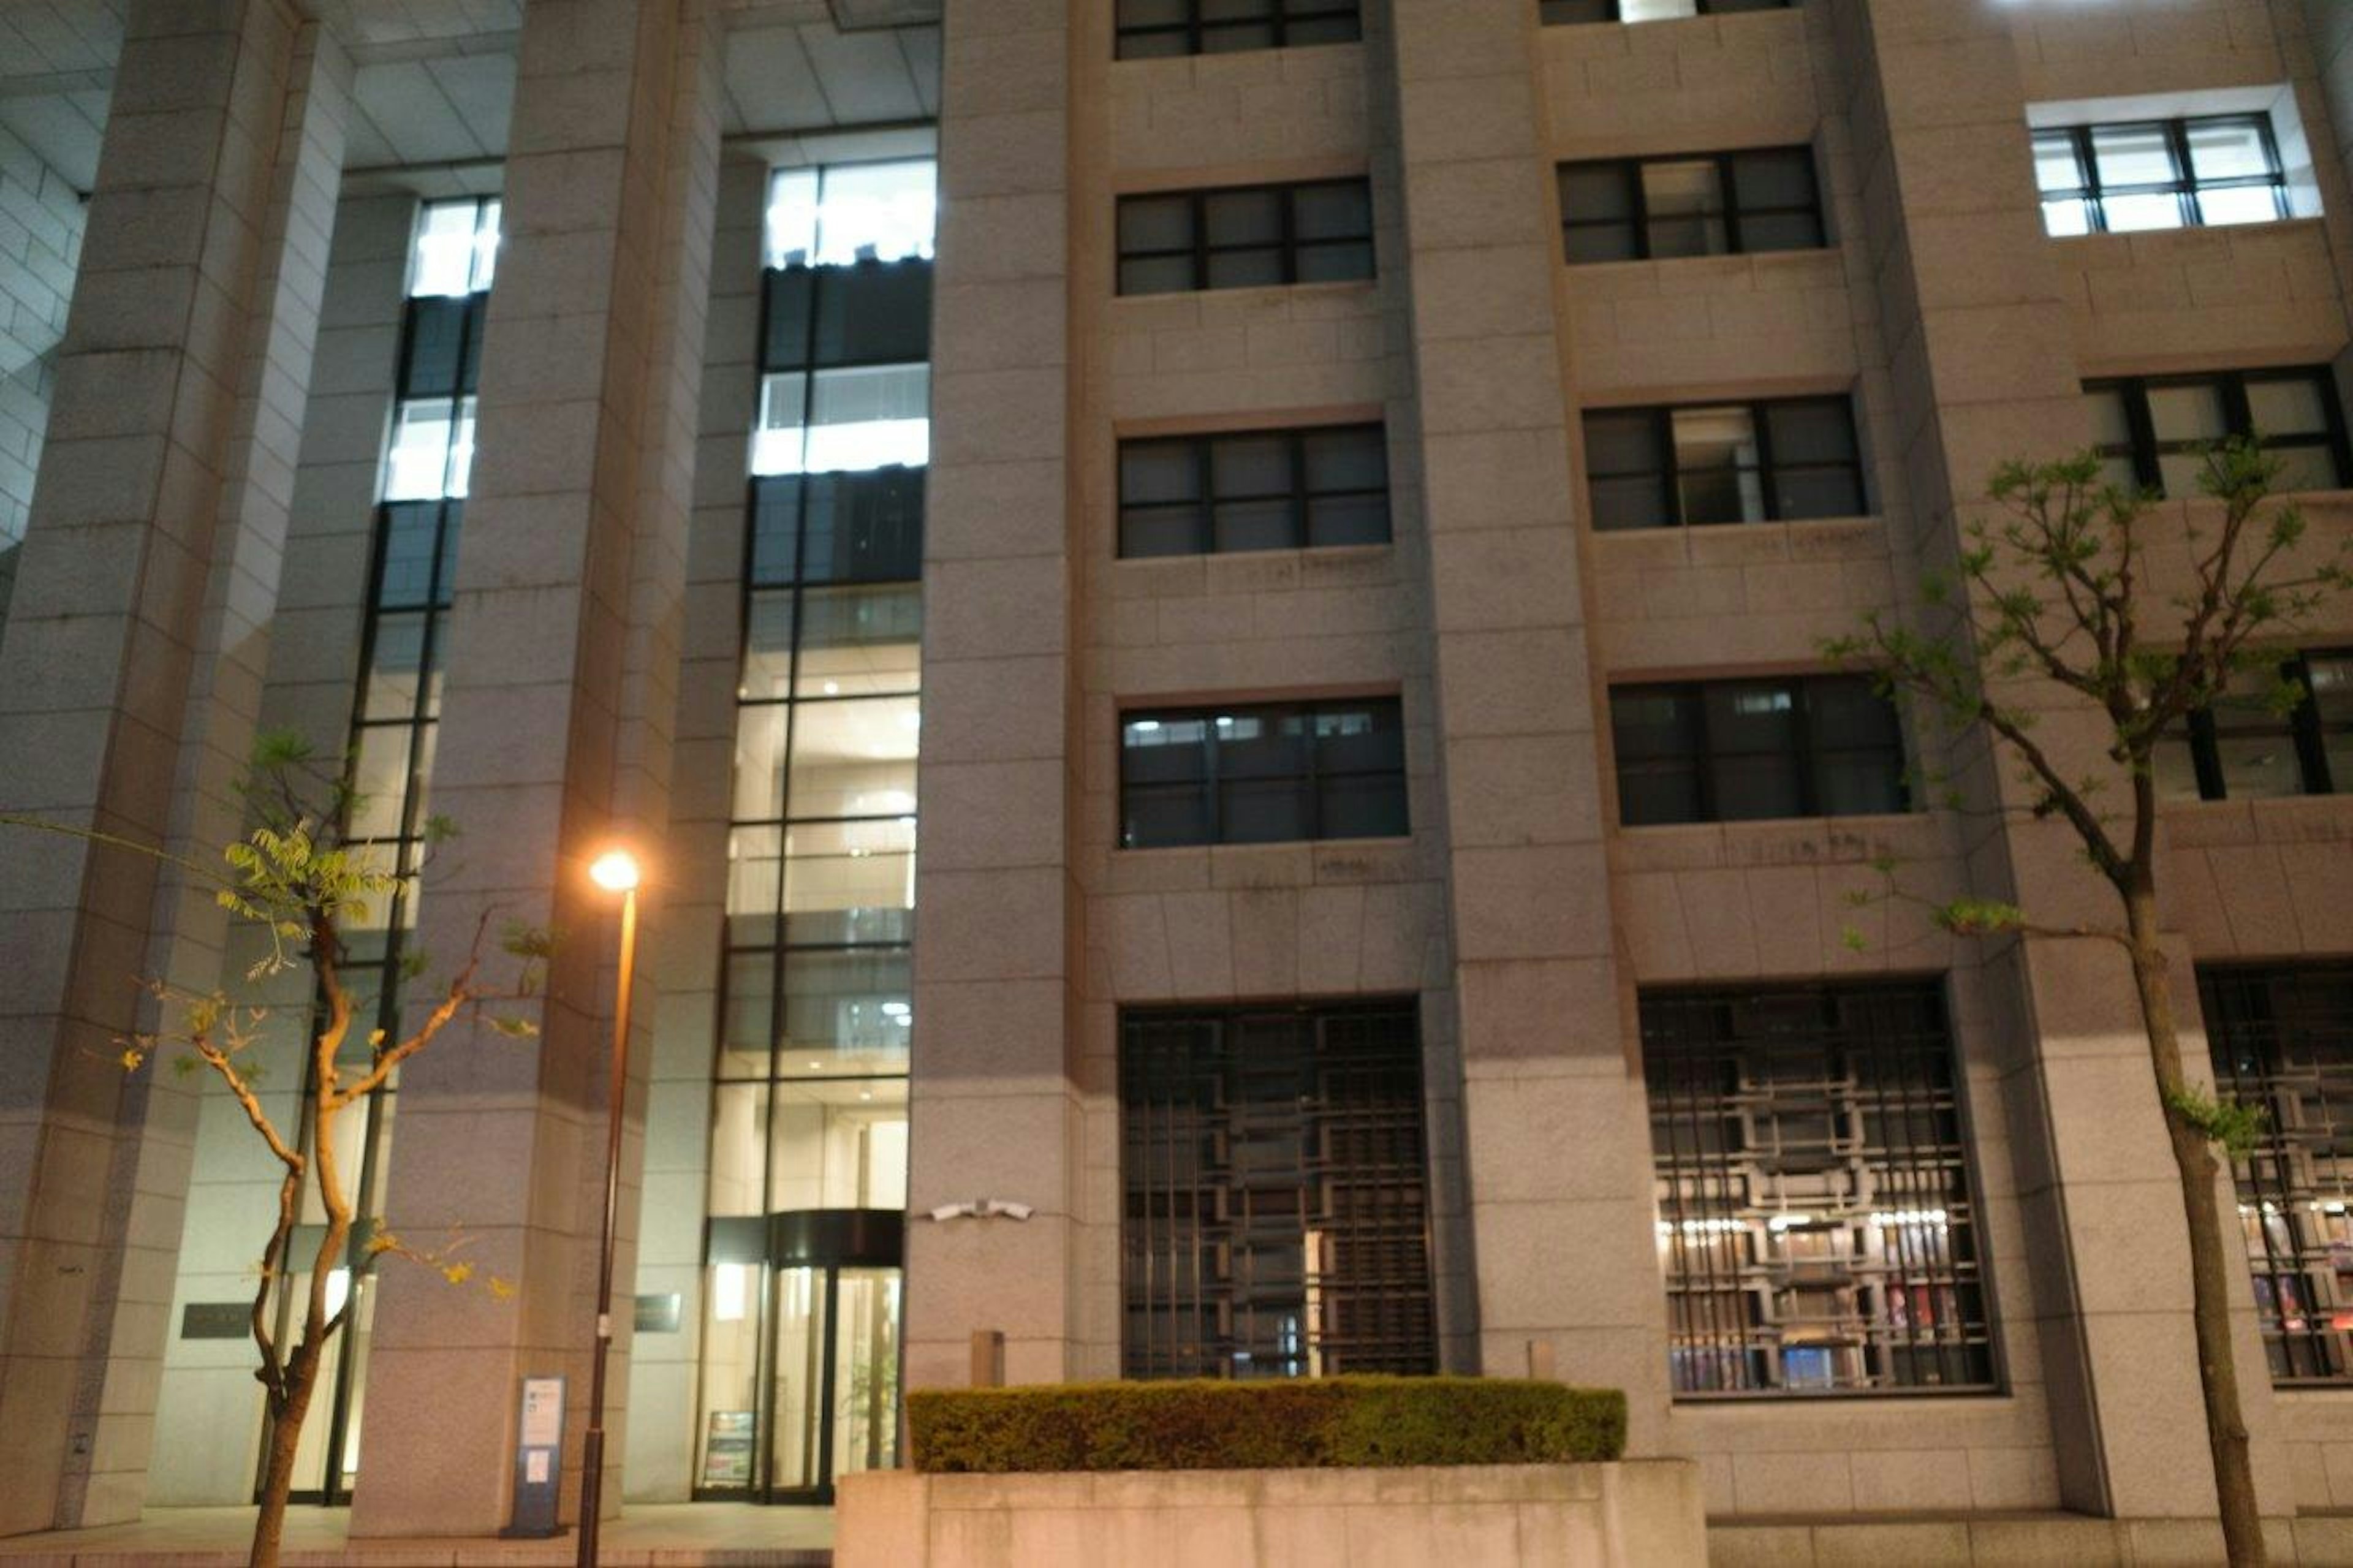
<point>616,871</point>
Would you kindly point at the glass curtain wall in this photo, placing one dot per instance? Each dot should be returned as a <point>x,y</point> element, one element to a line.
<point>808,1158</point>
<point>396,714</point>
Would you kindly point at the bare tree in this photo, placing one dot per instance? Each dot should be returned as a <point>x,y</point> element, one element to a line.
<point>297,881</point>
<point>2057,591</point>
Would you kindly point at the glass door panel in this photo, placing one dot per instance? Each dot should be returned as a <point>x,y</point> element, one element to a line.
<point>728,1449</point>
<point>798,1460</point>
<point>866,1371</point>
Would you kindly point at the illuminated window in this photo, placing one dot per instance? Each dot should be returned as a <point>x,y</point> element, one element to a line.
<point>1649,10</point>
<point>2283,1043</point>
<point>1818,1221</point>
<point>2159,173</point>
<point>456,251</point>
<point>849,213</point>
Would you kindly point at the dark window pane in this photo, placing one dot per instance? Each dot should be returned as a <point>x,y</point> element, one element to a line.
<point>1781,231</point>
<point>438,362</point>
<point>1353,457</point>
<point>1147,531</point>
<point>1636,502</point>
<point>1263,811</point>
<point>874,314</point>
<point>1603,242</point>
<point>1348,520</point>
<point>1245,269</point>
<point>1685,202</point>
<point>1251,465</point>
<point>1155,223</point>
<point>864,527</point>
<point>1755,788</point>
<point>1343,210</point>
<point>2287,405</point>
<point>1165,815</point>
<point>1365,806</point>
<point>1347,262</point>
<point>1152,472</point>
<point>1623,443</point>
<point>1256,525</point>
<point>1157,275</point>
<point>1798,494</point>
<point>1595,191</point>
<point>1814,431</point>
<point>1773,177</point>
<point>1232,37</point>
<point>1656,793</point>
<point>790,292</point>
<point>1313,30</point>
<point>1242,217</point>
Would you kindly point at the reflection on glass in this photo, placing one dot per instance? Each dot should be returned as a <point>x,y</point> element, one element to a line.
<point>727,1447</point>
<point>844,421</point>
<point>866,1371</point>
<point>846,1013</point>
<point>456,251</point>
<point>839,1144</point>
<point>431,451</point>
<point>800,1377</point>
<point>852,213</point>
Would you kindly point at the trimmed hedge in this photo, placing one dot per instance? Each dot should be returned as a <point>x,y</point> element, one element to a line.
<point>1287,1423</point>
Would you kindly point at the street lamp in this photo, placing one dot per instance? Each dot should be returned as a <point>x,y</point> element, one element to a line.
<point>616,871</point>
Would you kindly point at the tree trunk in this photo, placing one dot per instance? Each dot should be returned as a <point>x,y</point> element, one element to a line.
<point>285,1438</point>
<point>2210,1256</point>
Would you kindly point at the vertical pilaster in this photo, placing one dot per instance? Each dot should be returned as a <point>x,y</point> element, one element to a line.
<point>994,1113</point>
<point>1554,1111</point>
<point>562,660</point>
<point>1980,340</point>
<point>150,559</point>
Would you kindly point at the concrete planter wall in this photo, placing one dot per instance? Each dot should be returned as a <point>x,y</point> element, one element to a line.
<point>1643,1514</point>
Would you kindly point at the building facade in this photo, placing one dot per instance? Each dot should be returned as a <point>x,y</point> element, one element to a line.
<point>1326,513</point>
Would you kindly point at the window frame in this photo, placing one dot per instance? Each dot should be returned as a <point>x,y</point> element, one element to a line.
<point>2145,451</point>
<point>2304,727</point>
<point>1628,172</point>
<point>1202,455</point>
<point>1616,16</point>
<point>1311,782</point>
<point>1682,1032</point>
<point>1287,245</point>
<point>1809,756</point>
<point>2092,193</point>
<point>1278,16</point>
<point>1661,418</point>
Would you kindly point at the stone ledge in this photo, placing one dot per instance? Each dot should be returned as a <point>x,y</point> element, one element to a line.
<point>2013,1540</point>
<point>1637,1514</point>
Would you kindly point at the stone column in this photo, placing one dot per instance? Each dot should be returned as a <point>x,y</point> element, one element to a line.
<point>994,1113</point>
<point>1980,338</point>
<point>1556,1129</point>
<point>562,652</point>
<point>128,680</point>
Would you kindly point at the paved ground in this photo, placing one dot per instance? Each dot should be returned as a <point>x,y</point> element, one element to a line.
<point>672,1535</point>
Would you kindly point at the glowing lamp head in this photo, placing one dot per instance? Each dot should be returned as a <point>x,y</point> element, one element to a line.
<point>616,871</point>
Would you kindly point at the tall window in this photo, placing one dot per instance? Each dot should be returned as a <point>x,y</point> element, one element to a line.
<point>2159,173</point>
<point>809,1115</point>
<point>1711,204</point>
<point>396,716</point>
<point>1154,29</point>
<point>1277,1212</point>
<point>1254,490</point>
<point>2245,748</point>
<point>1735,462</point>
<point>1818,1220</point>
<point>1246,237</point>
<point>1270,773</point>
<point>2282,1041</point>
<point>1554,11</point>
<point>1740,750</point>
<point>2153,432</point>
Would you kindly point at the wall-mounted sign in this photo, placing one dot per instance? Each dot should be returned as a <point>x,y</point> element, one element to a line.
<point>658,1314</point>
<point>539,1459</point>
<point>217,1321</point>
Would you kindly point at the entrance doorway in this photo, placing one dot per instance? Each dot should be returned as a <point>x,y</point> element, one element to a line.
<point>800,1365</point>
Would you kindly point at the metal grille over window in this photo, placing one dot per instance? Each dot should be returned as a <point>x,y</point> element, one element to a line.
<point>1818,1223</point>
<point>1277,1198</point>
<point>1150,29</point>
<point>2282,1041</point>
<point>2159,173</point>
